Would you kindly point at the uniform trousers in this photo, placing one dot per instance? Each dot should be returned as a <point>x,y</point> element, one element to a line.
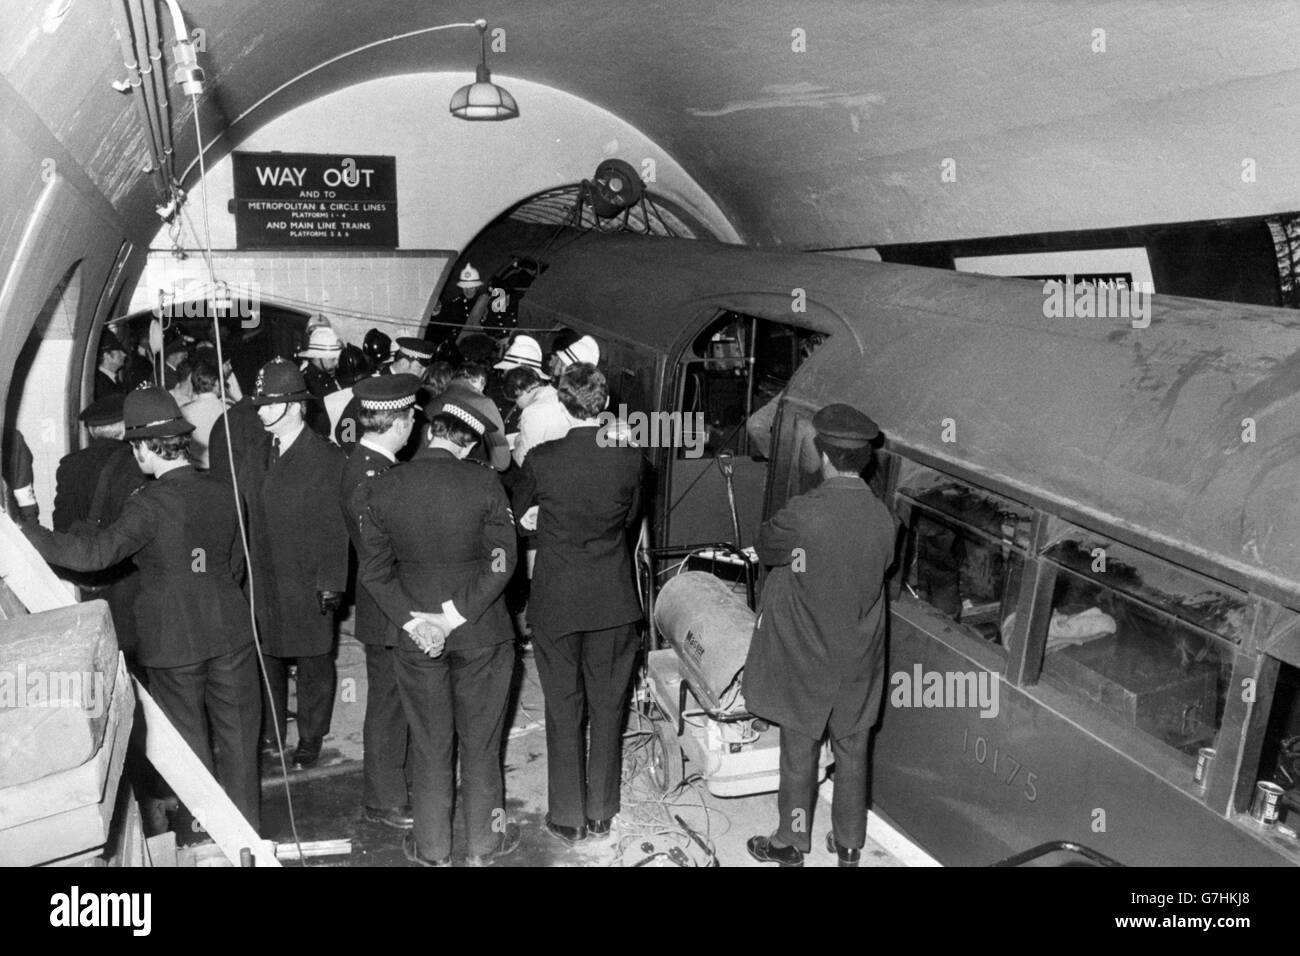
<point>458,697</point>
<point>588,670</point>
<point>798,792</point>
<point>215,702</point>
<point>315,681</point>
<point>384,733</point>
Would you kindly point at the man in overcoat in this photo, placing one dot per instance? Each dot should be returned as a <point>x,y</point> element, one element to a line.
<point>299,546</point>
<point>817,659</point>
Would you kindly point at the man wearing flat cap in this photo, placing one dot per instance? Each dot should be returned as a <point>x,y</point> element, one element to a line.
<point>385,419</point>
<point>90,488</point>
<point>112,359</point>
<point>818,654</point>
<point>195,634</point>
<point>300,555</point>
<point>437,550</point>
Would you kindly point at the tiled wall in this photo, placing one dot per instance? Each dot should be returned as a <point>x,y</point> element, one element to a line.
<point>356,290</point>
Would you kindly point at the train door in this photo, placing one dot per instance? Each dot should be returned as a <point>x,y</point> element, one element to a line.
<point>725,389</point>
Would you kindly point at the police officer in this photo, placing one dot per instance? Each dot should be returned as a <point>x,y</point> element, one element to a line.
<point>300,554</point>
<point>467,308</point>
<point>112,360</point>
<point>195,636</point>
<point>411,357</point>
<point>386,418</point>
<point>817,659</point>
<point>90,488</point>
<point>437,549</point>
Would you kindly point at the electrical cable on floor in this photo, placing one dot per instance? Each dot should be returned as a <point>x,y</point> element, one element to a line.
<point>234,484</point>
<point>649,813</point>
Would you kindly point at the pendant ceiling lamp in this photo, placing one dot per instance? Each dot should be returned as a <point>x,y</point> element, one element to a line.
<point>483,99</point>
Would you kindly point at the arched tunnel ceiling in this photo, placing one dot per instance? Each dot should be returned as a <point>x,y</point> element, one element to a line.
<point>838,145</point>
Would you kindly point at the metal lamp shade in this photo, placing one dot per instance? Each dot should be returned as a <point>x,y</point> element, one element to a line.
<point>483,100</point>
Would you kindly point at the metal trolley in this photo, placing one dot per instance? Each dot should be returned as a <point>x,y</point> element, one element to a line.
<point>735,753</point>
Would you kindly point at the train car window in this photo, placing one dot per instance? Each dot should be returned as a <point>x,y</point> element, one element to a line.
<point>733,377</point>
<point>1142,641</point>
<point>966,550</point>
<point>1191,598</point>
<point>1280,756</point>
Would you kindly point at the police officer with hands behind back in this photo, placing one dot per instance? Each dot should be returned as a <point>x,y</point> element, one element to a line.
<point>437,550</point>
<point>817,659</point>
<point>385,413</point>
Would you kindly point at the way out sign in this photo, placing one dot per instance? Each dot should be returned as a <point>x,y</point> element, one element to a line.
<point>314,200</point>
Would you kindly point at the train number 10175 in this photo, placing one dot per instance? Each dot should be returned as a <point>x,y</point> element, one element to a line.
<point>1002,765</point>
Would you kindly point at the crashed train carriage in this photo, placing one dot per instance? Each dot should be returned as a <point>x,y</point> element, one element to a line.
<point>1103,515</point>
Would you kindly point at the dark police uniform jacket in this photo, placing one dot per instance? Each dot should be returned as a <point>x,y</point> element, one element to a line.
<point>588,498</point>
<point>439,529</point>
<point>90,488</point>
<point>182,530</point>
<point>105,384</point>
<point>363,465</point>
<point>819,641</point>
<point>77,484</point>
<point>248,439</point>
<point>299,543</point>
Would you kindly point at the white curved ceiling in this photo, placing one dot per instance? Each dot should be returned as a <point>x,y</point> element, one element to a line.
<point>842,144</point>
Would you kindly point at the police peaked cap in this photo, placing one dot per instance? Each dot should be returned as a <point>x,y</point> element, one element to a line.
<point>387,392</point>
<point>152,413</point>
<point>104,411</point>
<point>458,402</point>
<point>416,348</point>
<point>109,342</point>
<point>844,427</point>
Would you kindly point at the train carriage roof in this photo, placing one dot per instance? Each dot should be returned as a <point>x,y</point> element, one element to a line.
<point>1187,431</point>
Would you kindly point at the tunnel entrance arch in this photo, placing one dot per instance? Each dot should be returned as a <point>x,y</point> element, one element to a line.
<point>509,250</point>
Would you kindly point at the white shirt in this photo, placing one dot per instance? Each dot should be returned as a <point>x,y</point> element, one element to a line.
<point>543,419</point>
<point>289,439</point>
<point>202,413</point>
<point>377,449</point>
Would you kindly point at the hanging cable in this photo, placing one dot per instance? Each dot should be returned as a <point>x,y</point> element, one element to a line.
<point>182,40</point>
<point>161,101</point>
<point>134,87</point>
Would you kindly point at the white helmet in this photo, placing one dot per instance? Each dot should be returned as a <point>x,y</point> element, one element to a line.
<point>469,276</point>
